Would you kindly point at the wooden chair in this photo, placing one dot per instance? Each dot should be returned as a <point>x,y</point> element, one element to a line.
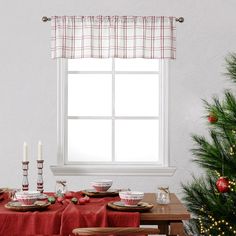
<point>115,231</point>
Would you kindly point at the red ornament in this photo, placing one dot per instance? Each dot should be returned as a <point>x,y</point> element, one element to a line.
<point>212,118</point>
<point>222,184</point>
<point>60,199</point>
<point>69,195</point>
<point>82,201</point>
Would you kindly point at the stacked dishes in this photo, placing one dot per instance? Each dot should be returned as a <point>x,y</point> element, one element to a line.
<point>102,185</point>
<point>131,198</point>
<point>27,197</point>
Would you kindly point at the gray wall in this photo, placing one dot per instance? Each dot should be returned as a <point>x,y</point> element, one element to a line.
<point>28,80</point>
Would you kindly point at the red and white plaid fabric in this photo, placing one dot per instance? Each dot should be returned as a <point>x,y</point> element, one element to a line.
<point>113,36</point>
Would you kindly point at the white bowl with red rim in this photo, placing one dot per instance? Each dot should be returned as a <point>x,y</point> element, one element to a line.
<point>131,198</point>
<point>102,185</point>
<point>27,197</point>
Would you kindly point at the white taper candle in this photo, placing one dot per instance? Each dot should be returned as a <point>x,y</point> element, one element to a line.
<point>40,154</point>
<point>25,151</point>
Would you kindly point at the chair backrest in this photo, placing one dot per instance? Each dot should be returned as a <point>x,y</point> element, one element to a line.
<point>115,231</point>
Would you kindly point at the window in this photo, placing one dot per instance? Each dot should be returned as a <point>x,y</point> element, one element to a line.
<point>112,117</point>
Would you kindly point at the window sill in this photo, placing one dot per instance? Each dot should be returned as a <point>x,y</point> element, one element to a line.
<point>72,170</point>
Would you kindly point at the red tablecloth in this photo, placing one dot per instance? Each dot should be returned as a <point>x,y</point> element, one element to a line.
<point>95,213</point>
<point>61,219</point>
<point>14,223</point>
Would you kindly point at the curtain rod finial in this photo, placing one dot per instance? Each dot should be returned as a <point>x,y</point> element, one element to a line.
<point>45,19</point>
<point>180,19</point>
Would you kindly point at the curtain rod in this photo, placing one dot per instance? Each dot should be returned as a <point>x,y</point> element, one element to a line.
<point>45,19</point>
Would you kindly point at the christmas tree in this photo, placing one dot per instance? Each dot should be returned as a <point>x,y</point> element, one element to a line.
<point>211,198</point>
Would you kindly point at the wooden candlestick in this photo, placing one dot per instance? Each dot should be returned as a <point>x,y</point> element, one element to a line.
<point>25,182</point>
<point>40,176</point>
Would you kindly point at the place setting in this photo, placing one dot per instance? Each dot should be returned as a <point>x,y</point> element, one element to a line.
<point>28,201</point>
<point>130,201</point>
<point>101,188</point>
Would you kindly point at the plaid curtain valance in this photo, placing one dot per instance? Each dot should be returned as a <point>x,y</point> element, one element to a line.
<point>113,36</point>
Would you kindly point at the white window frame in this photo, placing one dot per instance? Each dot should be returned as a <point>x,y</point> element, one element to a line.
<point>63,168</point>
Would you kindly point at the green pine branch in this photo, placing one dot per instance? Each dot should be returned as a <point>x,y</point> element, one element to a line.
<point>231,66</point>
<point>224,110</point>
<point>203,200</point>
<point>216,154</point>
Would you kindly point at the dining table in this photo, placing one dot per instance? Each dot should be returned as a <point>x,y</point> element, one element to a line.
<point>169,217</point>
<point>62,217</point>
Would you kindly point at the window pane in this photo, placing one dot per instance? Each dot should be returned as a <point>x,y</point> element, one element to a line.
<point>136,140</point>
<point>138,64</point>
<point>89,64</point>
<point>137,95</point>
<point>89,95</point>
<point>89,140</point>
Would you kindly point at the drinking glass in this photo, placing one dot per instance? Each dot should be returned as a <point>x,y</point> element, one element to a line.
<point>163,195</point>
<point>61,187</point>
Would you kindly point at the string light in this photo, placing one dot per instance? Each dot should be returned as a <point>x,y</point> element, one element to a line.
<point>232,185</point>
<point>219,224</point>
<point>231,151</point>
<point>217,173</point>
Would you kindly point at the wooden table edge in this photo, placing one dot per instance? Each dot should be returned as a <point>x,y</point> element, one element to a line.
<point>180,214</point>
